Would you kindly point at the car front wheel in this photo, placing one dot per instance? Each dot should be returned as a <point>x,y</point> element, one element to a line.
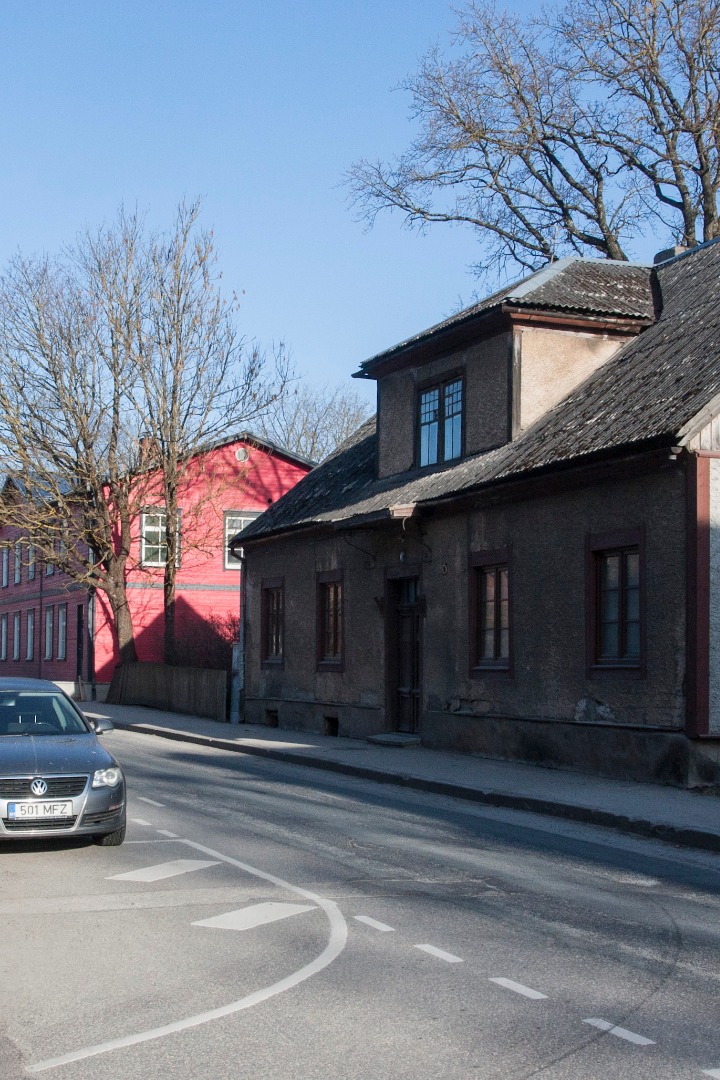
<point>111,839</point>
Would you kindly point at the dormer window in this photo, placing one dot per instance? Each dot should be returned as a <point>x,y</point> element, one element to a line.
<point>440,422</point>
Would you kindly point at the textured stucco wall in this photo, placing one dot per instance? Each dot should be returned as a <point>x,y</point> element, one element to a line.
<point>545,709</point>
<point>485,369</point>
<point>553,363</point>
<point>714,658</point>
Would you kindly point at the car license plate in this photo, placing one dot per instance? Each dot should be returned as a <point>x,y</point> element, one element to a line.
<point>62,808</point>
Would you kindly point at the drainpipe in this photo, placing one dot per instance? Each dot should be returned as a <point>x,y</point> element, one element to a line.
<point>237,689</point>
<point>41,620</point>
<point>91,644</point>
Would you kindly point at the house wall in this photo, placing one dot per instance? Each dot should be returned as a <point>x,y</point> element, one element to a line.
<point>549,364</point>
<point>551,707</point>
<point>485,368</point>
<point>213,483</point>
<point>714,604</point>
<point>553,363</point>
<point>39,594</point>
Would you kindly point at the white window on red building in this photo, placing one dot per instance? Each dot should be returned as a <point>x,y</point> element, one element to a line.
<point>235,522</point>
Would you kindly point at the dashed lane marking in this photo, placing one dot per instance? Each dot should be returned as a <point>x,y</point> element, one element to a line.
<point>518,988</point>
<point>142,798</point>
<point>140,821</point>
<point>622,1033</point>
<point>712,1072</point>
<point>374,923</point>
<point>440,953</point>
<point>256,915</point>
<point>165,832</point>
<point>164,870</point>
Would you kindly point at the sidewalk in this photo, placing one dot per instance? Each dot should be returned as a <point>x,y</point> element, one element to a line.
<point>686,818</point>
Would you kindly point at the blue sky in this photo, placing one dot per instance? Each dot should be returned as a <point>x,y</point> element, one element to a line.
<point>259,106</point>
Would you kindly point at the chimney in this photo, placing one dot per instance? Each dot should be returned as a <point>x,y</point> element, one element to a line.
<point>669,253</point>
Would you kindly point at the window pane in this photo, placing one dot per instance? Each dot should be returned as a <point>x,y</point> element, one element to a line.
<point>632,639</point>
<point>453,419</point>
<point>632,605</point>
<point>632,569</point>
<point>429,426</point>
<point>609,640</point>
<point>610,572</point>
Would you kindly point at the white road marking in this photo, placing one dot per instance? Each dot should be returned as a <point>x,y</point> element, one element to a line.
<point>374,923</point>
<point>440,953</point>
<point>163,870</point>
<point>712,1072</point>
<point>140,821</point>
<point>255,915</point>
<point>164,832</point>
<point>622,1033</point>
<point>518,988</point>
<point>141,798</point>
<point>336,943</point>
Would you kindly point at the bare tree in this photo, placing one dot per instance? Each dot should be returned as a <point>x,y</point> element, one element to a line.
<point>70,337</point>
<point>569,131</point>
<point>119,361</point>
<point>314,420</point>
<point>200,380</point>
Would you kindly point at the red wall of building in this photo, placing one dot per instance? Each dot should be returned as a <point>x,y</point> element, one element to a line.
<point>213,483</point>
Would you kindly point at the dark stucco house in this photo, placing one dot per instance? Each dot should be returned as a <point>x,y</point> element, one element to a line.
<point>522,558</point>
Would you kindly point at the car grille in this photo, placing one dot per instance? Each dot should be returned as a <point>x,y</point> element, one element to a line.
<point>37,824</point>
<point>19,788</point>
<point>101,817</point>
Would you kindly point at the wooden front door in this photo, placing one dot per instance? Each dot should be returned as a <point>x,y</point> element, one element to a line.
<point>404,654</point>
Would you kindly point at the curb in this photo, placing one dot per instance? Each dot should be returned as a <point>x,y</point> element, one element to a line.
<point>586,815</point>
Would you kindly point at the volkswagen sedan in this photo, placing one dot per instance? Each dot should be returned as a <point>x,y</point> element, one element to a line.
<point>55,777</point>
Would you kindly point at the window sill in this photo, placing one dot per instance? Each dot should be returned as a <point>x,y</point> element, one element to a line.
<point>273,662</point>
<point>330,665</point>
<point>623,671</point>
<point>481,670</point>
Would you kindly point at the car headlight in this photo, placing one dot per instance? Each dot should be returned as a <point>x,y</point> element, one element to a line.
<point>106,777</point>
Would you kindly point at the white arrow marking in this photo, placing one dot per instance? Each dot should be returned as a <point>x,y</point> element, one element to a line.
<point>336,944</point>
<point>257,915</point>
<point>163,870</point>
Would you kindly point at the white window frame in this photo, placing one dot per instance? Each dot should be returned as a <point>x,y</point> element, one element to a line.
<point>30,635</point>
<point>17,569</point>
<point>159,529</point>
<point>5,567</point>
<point>3,636</point>
<point>31,562</point>
<point>62,632</point>
<point>239,519</point>
<point>49,625</point>
<point>16,635</point>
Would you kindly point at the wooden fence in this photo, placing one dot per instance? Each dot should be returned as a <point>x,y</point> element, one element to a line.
<point>197,691</point>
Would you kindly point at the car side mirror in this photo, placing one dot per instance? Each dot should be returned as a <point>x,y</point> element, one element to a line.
<point>101,725</point>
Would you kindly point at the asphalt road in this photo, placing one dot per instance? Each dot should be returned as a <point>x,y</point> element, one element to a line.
<point>264,920</point>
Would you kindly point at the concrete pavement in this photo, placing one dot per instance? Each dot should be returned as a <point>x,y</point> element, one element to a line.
<point>687,818</point>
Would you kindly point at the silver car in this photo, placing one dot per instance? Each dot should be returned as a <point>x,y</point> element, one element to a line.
<point>55,777</point>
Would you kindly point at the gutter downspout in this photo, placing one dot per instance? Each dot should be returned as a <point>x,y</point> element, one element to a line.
<point>237,689</point>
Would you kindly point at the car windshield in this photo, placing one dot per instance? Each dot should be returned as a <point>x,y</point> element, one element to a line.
<point>38,714</point>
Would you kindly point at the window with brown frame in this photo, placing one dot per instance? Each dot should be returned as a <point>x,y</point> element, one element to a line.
<point>273,621</point>
<point>330,620</point>
<point>490,611</point>
<point>616,630</point>
<point>440,427</point>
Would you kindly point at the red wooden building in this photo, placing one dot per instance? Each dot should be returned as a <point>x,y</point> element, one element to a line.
<point>53,628</point>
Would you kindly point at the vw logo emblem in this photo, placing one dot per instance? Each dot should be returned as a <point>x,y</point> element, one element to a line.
<point>38,787</point>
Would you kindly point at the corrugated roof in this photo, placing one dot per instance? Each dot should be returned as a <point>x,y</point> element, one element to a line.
<point>647,394</point>
<point>595,288</point>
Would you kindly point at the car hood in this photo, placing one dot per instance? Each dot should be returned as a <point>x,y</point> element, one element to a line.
<point>23,755</point>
